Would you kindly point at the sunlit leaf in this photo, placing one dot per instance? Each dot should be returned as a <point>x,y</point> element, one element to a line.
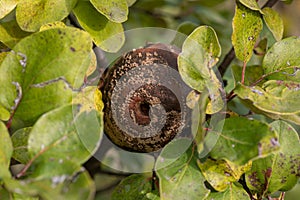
<point>283,54</point>
<point>280,170</point>
<point>247,25</point>
<point>6,6</point>
<point>274,22</point>
<point>106,34</point>
<point>180,177</point>
<point>6,150</point>
<point>241,136</point>
<point>115,11</point>
<point>31,15</point>
<point>43,79</point>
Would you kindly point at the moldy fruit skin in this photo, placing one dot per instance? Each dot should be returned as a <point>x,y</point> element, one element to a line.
<point>133,115</point>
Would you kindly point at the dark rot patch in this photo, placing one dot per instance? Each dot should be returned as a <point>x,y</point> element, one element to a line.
<point>150,104</point>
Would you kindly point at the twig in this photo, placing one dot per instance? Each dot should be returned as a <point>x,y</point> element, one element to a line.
<point>226,62</point>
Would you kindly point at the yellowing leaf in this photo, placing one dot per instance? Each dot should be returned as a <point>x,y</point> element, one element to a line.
<point>220,173</point>
<point>247,25</point>
<point>32,14</point>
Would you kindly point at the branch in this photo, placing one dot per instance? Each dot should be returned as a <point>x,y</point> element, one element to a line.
<point>230,56</point>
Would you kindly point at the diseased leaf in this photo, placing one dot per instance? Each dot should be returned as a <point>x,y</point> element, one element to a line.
<point>280,170</point>
<point>274,22</point>
<point>42,80</point>
<point>20,143</point>
<point>6,150</point>
<point>277,97</point>
<point>136,186</point>
<point>221,174</point>
<point>282,55</point>
<point>247,25</point>
<point>77,186</point>
<point>11,34</point>
<point>180,177</point>
<point>31,15</point>
<point>115,11</point>
<point>65,134</point>
<point>106,34</point>
<point>6,6</point>
<point>234,192</point>
<point>241,136</point>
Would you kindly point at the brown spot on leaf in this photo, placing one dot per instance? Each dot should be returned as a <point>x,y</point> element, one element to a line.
<point>72,49</point>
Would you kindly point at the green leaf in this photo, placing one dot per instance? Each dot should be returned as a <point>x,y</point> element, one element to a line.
<point>278,97</point>
<point>136,186</point>
<point>279,171</point>
<point>252,4</point>
<point>183,30</point>
<point>20,142</point>
<point>11,34</point>
<point>247,25</point>
<point>4,114</point>
<point>253,73</point>
<point>282,55</point>
<point>241,136</point>
<point>200,52</point>
<point>31,15</point>
<point>180,177</point>
<point>6,150</point>
<point>65,134</point>
<point>78,186</point>
<point>220,173</point>
<point>6,6</point>
<point>42,80</point>
<point>106,34</point>
<point>206,37</point>
<point>234,192</point>
<point>115,11</point>
<point>274,22</point>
